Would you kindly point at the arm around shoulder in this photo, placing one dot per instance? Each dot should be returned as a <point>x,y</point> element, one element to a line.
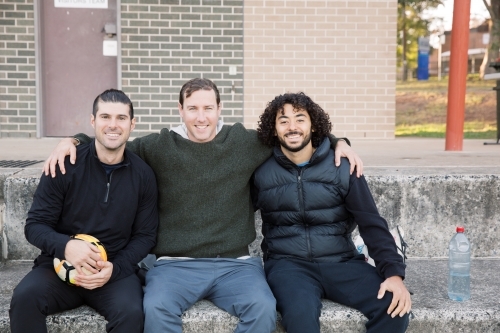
<point>342,149</point>
<point>65,147</point>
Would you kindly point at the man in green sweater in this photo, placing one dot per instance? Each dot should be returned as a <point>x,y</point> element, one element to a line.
<point>203,169</point>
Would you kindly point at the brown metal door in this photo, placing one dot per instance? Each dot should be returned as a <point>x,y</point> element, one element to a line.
<point>73,68</point>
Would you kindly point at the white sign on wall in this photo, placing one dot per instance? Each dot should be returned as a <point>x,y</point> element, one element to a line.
<point>423,45</point>
<point>110,48</point>
<point>486,38</point>
<point>81,3</point>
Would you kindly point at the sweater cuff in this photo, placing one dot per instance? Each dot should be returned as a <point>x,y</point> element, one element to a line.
<point>345,139</point>
<point>394,270</point>
<point>333,140</point>
<point>82,138</point>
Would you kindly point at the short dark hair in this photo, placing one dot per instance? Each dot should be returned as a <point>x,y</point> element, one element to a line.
<point>113,96</point>
<point>320,120</point>
<point>198,84</point>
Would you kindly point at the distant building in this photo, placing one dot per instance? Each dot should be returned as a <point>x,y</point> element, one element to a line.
<point>478,42</point>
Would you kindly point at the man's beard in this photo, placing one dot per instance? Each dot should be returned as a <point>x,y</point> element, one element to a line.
<point>305,142</point>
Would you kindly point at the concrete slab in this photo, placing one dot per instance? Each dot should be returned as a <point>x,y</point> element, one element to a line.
<point>427,207</point>
<point>400,152</point>
<point>432,309</point>
<point>27,149</point>
<point>19,190</point>
<point>434,312</point>
<point>4,173</point>
<point>427,153</point>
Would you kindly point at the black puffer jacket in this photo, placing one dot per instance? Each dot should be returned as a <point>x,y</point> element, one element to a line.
<point>302,208</point>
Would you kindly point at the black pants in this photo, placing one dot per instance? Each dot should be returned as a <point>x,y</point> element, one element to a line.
<point>41,293</point>
<point>299,286</point>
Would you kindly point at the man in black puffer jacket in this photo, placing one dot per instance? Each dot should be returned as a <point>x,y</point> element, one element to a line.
<point>309,211</point>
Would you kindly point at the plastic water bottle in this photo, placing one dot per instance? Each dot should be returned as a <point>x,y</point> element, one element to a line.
<point>459,267</point>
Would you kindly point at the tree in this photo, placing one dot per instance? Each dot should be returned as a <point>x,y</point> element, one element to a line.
<point>411,26</point>
<point>492,52</point>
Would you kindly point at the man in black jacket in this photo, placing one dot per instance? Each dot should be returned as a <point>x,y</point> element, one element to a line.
<point>309,211</point>
<point>111,194</point>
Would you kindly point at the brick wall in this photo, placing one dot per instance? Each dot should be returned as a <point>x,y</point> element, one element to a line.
<point>17,69</point>
<point>167,42</point>
<point>341,53</point>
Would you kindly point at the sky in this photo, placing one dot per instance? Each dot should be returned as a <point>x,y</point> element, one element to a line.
<point>477,10</point>
<point>443,15</point>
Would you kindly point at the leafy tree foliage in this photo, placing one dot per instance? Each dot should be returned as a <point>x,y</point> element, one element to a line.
<point>411,26</point>
<point>492,53</point>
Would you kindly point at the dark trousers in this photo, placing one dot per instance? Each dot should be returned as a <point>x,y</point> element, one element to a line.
<point>41,293</point>
<point>299,286</point>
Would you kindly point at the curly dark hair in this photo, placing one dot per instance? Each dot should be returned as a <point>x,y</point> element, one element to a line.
<point>320,120</point>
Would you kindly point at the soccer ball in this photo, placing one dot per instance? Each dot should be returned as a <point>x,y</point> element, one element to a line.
<point>66,271</point>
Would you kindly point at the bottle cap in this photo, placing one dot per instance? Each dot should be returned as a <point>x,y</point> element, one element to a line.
<point>460,229</point>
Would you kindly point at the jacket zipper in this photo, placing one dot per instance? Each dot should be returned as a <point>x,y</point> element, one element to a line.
<point>107,186</point>
<point>299,187</point>
<point>302,212</point>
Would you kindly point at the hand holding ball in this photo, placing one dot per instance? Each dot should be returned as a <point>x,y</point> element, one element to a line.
<point>66,271</point>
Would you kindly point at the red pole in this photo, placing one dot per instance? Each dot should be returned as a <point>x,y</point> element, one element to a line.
<point>458,75</point>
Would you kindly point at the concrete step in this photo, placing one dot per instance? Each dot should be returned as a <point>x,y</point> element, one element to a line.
<point>427,203</point>
<point>427,278</point>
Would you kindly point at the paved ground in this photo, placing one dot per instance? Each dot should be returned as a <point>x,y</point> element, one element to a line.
<point>427,279</point>
<point>402,153</point>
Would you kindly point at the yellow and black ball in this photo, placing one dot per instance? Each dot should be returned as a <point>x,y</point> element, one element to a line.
<point>65,269</point>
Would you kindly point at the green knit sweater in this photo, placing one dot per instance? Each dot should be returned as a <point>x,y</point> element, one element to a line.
<point>204,199</point>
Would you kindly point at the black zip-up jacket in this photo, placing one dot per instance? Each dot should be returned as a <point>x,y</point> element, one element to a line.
<point>310,212</point>
<point>121,212</point>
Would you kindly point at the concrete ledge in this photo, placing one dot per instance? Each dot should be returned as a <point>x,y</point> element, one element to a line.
<point>427,203</point>
<point>4,173</point>
<point>433,311</point>
<point>18,193</point>
<point>427,206</point>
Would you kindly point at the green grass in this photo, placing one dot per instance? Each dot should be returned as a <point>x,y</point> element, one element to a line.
<point>433,84</point>
<point>421,108</point>
<point>472,130</point>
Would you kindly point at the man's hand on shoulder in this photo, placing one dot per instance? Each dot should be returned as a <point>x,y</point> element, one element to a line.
<point>96,280</point>
<point>401,301</point>
<point>342,149</point>
<point>65,147</point>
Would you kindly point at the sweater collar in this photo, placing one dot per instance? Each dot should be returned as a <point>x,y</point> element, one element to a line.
<point>182,129</point>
